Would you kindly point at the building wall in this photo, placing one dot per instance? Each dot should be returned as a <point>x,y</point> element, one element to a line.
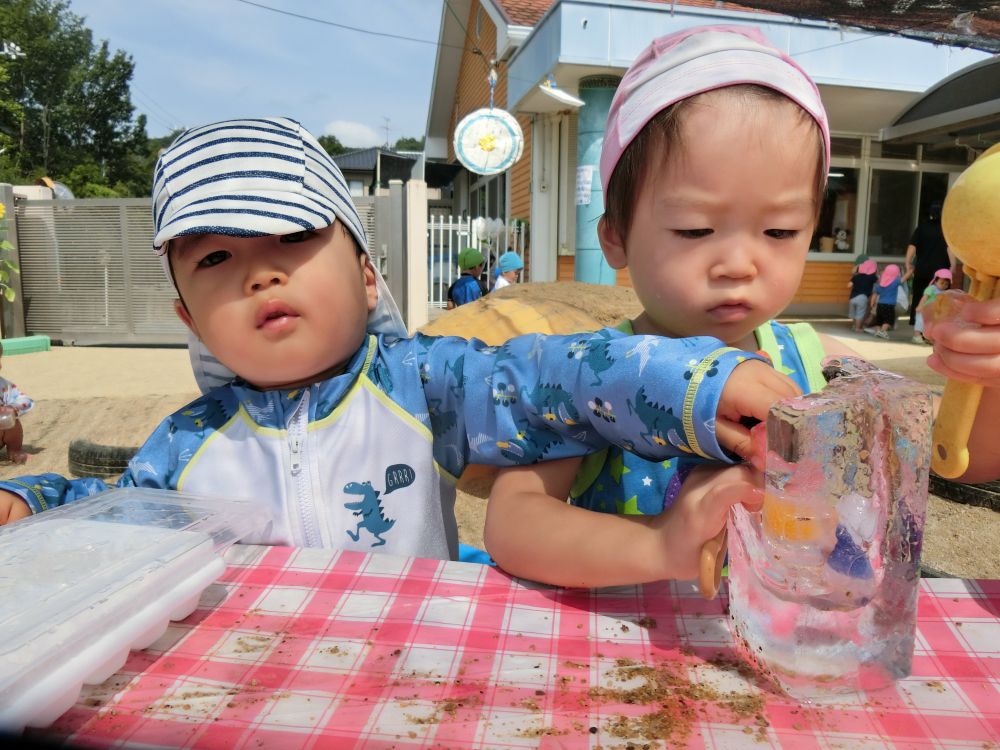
<point>520,175</point>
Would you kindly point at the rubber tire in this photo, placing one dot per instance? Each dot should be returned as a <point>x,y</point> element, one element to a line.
<point>986,495</point>
<point>88,459</point>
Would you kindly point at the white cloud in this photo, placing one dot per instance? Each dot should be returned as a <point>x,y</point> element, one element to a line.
<point>354,134</point>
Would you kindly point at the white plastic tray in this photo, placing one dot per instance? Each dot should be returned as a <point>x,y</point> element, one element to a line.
<point>81,585</point>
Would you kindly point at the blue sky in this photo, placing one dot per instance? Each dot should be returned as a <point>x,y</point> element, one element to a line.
<point>197,61</point>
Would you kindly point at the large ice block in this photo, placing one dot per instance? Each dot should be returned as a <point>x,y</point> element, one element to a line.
<point>823,580</point>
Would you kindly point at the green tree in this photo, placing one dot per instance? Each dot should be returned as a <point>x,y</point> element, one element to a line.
<point>74,99</point>
<point>10,118</point>
<point>409,144</point>
<point>332,145</point>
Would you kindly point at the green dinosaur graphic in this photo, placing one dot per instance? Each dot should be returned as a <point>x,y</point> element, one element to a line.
<point>662,427</point>
<point>529,445</point>
<point>441,421</point>
<point>594,352</point>
<point>553,402</point>
<point>456,369</point>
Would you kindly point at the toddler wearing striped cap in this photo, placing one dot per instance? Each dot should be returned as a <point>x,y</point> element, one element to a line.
<point>351,432</point>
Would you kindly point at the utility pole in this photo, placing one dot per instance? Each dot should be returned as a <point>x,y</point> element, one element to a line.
<point>386,128</point>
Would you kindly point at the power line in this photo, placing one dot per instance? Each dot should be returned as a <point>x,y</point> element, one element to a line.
<point>347,27</point>
<point>162,115</point>
<point>151,115</point>
<point>465,35</point>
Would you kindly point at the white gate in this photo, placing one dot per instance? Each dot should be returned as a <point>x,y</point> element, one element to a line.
<point>89,274</point>
<point>447,236</point>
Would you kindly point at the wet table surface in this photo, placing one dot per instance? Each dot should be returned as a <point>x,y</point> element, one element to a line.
<point>297,648</point>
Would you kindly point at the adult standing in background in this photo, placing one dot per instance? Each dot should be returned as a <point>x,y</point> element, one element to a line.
<point>926,254</point>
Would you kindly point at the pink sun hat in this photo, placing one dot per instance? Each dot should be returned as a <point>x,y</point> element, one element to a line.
<point>696,60</point>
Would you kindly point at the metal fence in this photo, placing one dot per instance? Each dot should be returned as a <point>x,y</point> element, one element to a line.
<point>89,274</point>
<point>447,236</point>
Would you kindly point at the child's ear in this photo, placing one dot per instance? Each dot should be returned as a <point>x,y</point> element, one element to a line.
<point>613,245</point>
<point>368,275</point>
<point>185,316</point>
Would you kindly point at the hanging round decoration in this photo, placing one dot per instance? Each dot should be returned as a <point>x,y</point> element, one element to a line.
<point>488,141</point>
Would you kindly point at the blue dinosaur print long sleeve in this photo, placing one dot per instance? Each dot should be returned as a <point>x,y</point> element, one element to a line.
<point>545,397</point>
<point>369,458</point>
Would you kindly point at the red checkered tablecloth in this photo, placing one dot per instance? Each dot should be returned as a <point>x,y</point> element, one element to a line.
<point>299,648</point>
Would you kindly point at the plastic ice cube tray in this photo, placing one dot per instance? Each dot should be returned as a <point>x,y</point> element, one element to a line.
<point>83,584</point>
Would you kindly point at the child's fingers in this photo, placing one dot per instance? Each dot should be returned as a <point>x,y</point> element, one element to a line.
<point>967,368</point>
<point>723,496</point>
<point>728,486</point>
<point>961,338</point>
<point>752,389</point>
<point>985,313</point>
<point>734,437</point>
<point>753,500</point>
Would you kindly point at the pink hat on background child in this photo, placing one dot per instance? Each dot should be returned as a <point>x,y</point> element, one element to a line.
<point>889,275</point>
<point>693,61</point>
<point>868,267</point>
<point>943,273</point>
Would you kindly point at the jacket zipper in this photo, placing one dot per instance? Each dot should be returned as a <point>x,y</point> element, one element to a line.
<point>300,475</point>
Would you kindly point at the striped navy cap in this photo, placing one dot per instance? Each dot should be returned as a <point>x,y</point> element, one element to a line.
<point>248,178</point>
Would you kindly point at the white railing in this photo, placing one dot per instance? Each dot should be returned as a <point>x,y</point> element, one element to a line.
<point>447,236</point>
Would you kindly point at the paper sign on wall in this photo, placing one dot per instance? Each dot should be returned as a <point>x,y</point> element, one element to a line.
<point>584,181</point>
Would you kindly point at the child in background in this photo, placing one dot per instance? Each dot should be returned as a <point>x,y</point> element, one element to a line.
<point>353,433</point>
<point>700,115</point>
<point>939,283</point>
<point>862,284</point>
<point>467,287</point>
<point>884,302</point>
<point>13,406</point>
<point>509,265</point>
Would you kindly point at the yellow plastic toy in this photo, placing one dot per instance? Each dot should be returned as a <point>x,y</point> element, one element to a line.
<point>970,219</point>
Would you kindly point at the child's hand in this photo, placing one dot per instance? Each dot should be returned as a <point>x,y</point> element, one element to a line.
<point>750,392</point>
<point>966,342</point>
<point>700,512</point>
<point>12,508</point>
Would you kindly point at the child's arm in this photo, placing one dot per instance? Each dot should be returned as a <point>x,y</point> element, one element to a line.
<point>12,508</point>
<point>155,466</point>
<point>46,491</point>
<point>13,398</point>
<point>911,254</point>
<point>834,347</point>
<point>547,397</point>
<point>533,534</point>
<point>972,354</point>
